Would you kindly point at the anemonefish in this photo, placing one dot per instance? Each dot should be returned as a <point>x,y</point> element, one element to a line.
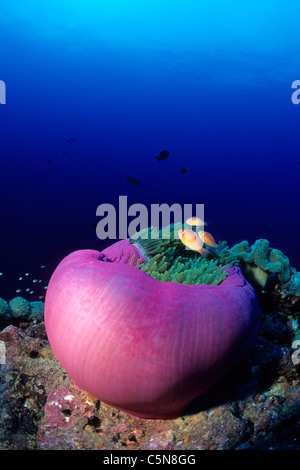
<point>190,239</point>
<point>195,221</point>
<point>208,239</point>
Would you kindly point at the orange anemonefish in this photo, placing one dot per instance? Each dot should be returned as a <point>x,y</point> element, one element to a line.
<point>208,239</point>
<point>190,239</point>
<point>195,221</point>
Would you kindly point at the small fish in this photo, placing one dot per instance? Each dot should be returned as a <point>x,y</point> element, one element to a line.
<point>27,290</point>
<point>183,170</point>
<point>1,274</point>
<point>20,278</point>
<point>208,239</point>
<point>190,239</point>
<point>35,280</point>
<point>134,181</point>
<point>19,290</point>
<point>43,266</point>
<point>41,297</point>
<point>195,221</point>
<point>163,155</point>
<point>27,274</point>
<point>31,292</point>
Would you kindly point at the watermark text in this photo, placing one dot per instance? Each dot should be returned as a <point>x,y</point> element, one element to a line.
<point>159,215</point>
<point>2,92</point>
<point>296,95</point>
<point>296,353</point>
<point>2,355</point>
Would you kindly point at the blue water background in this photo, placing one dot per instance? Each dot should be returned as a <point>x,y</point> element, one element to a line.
<point>208,81</point>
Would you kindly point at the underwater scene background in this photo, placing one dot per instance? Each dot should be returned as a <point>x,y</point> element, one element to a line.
<point>146,346</point>
<point>96,90</point>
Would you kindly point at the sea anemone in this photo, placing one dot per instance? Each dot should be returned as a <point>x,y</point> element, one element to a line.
<point>146,326</point>
<point>168,260</point>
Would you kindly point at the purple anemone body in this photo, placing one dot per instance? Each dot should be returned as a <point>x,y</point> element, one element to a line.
<point>141,345</point>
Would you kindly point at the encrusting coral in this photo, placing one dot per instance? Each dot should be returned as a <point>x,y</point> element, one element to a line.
<point>21,309</point>
<point>292,287</point>
<point>140,342</point>
<point>259,261</point>
<point>4,312</point>
<point>4,307</point>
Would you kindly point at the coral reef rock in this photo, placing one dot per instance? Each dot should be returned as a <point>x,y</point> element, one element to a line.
<point>255,406</point>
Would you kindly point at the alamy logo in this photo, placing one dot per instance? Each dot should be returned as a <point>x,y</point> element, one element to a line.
<point>296,95</point>
<point>296,354</point>
<point>111,219</point>
<point>2,92</point>
<point>2,355</point>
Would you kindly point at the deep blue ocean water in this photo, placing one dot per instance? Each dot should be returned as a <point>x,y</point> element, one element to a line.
<point>96,90</point>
